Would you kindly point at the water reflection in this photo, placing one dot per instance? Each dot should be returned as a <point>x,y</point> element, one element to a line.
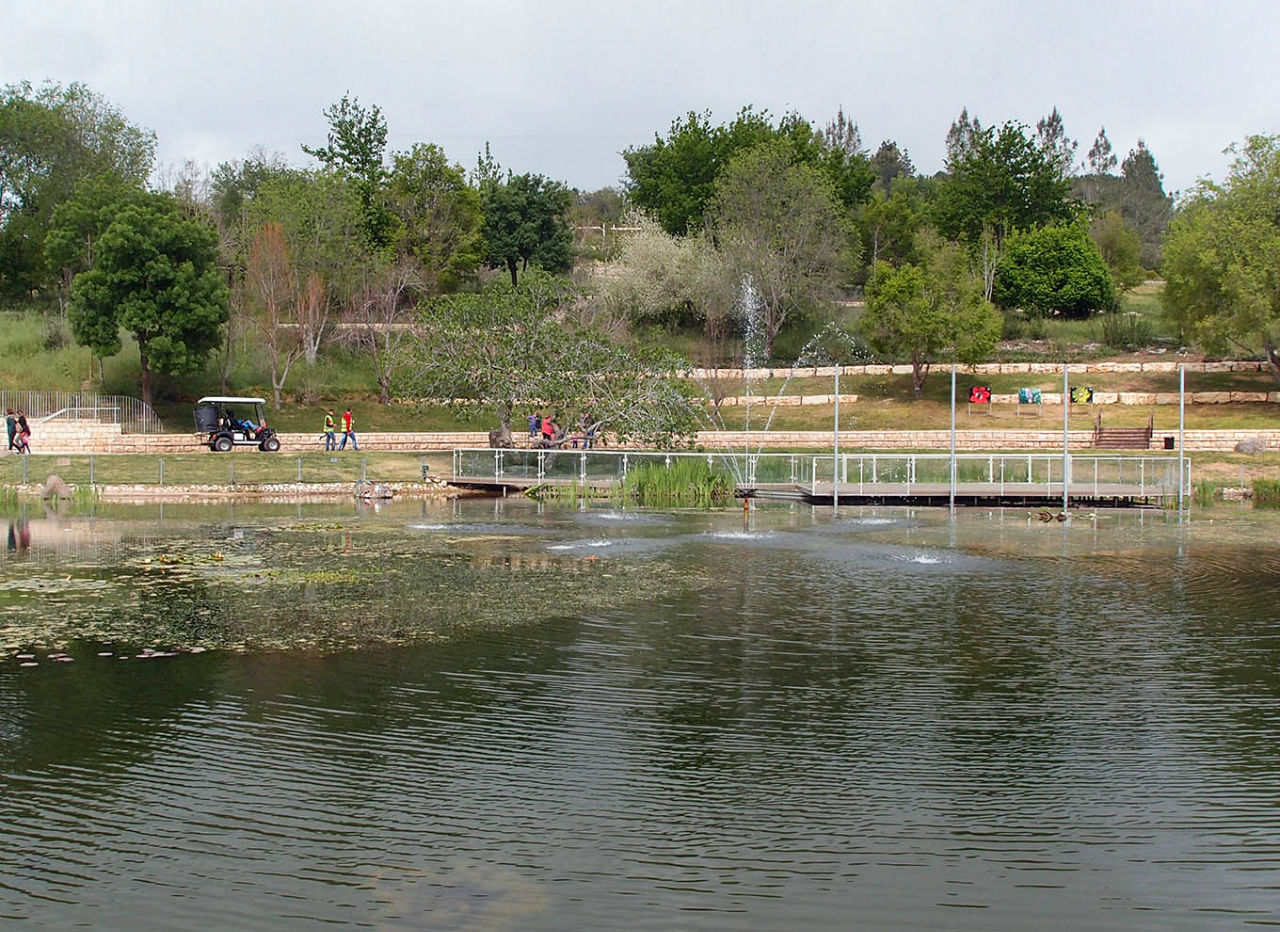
<point>507,716</point>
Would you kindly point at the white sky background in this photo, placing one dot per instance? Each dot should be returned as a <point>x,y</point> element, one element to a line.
<point>561,87</point>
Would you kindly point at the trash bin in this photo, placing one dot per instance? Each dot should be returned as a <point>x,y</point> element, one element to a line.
<point>1168,443</point>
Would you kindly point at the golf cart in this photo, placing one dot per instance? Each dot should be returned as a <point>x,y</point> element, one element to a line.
<point>226,422</point>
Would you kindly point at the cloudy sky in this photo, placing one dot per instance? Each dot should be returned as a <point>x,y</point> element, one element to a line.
<point>562,86</point>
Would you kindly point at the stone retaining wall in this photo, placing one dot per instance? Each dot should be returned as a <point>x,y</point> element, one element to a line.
<point>971,439</point>
<point>987,368</point>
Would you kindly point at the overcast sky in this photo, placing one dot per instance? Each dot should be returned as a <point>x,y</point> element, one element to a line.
<point>561,87</point>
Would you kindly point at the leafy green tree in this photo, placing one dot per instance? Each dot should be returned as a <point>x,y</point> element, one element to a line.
<point>1120,248</point>
<point>890,163</point>
<point>154,274</point>
<point>1144,205</point>
<point>524,223</point>
<point>781,224</point>
<point>890,222</point>
<point>930,312</point>
<point>51,139</point>
<point>356,148</point>
<point>439,215</point>
<point>506,350</point>
<point>1058,148</point>
<point>999,181</point>
<point>1222,256</point>
<point>675,178</point>
<point>77,223</point>
<point>1054,270</point>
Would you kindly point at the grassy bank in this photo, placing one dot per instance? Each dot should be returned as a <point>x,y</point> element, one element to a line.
<point>212,469</point>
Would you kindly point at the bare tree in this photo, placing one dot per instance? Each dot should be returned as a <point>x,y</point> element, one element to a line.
<point>311,314</point>
<point>381,316</point>
<point>272,282</point>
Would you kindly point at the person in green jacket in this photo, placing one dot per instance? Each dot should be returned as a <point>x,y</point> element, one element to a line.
<point>330,440</point>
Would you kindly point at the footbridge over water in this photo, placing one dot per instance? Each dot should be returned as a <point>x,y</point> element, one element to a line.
<point>990,479</point>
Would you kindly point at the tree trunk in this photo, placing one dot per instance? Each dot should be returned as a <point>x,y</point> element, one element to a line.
<point>275,383</point>
<point>146,374</point>
<point>919,371</point>
<point>384,388</point>
<point>1272,357</point>
<point>511,267</point>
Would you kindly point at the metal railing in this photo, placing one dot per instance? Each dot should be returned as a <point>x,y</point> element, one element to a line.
<point>1091,475</point>
<point>133,416</point>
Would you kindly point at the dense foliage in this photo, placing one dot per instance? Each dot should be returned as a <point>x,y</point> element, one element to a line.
<point>154,274</point>
<point>1222,256</point>
<point>726,240</point>
<point>1054,270</point>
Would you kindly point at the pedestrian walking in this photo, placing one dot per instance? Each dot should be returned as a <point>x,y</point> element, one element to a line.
<point>11,425</point>
<point>535,425</point>
<point>24,434</point>
<point>348,432</point>
<point>330,439</point>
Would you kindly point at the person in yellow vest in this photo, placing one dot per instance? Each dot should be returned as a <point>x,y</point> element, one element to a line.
<point>330,440</point>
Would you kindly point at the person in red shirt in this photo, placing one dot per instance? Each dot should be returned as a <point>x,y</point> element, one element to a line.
<point>347,432</point>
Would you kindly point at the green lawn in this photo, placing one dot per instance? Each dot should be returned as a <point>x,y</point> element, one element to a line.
<point>243,467</point>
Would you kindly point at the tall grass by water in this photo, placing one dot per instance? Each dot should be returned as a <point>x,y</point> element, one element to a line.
<point>1266,493</point>
<point>685,483</point>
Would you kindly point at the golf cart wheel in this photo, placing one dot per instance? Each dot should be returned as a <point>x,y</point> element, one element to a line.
<point>271,445</point>
<point>223,444</point>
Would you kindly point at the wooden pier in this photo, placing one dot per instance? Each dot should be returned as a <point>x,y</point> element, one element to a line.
<point>992,480</point>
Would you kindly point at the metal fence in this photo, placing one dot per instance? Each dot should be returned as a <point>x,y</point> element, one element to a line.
<point>1088,474</point>
<point>133,416</point>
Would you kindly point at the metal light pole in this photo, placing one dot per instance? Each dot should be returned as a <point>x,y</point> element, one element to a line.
<point>1182,424</point>
<point>1066,454</point>
<point>835,449</point>
<point>952,497</point>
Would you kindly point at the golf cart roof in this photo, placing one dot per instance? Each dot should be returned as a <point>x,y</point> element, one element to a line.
<point>230,400</point>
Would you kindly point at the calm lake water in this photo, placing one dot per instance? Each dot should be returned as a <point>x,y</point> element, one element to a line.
<point>495,716</point>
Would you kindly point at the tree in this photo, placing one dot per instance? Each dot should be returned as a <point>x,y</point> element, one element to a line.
<point>1059,149</point>
<point>356,145</point>
<point>1222,255</point>
<point>842,134</point>
<point>439,216</point>
<point>273,283</point>
<point>1120,248</point>
<point>504,349</point>
<point>51,139</point>
<point>320,215</point>
<point>378,318</point>
<point>524,223</point>
<point>890,222</point>
<point>961,135</point>
<point>890,163</point>
<point>782,226</point>
<point>1102,160</point>
<point>77,223</point>
<point>999,180</point>
<point>675,178</point>
<point>1145,207</point>
<point>1054,270</point>
<point>670,281</point>
<point>155,274</point>
<point>929,312</point>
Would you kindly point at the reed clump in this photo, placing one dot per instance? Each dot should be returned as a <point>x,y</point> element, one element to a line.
<point>1266,493</point>
<point>686,483</point>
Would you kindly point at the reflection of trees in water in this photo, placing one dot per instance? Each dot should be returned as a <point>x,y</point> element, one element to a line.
<point>424,691</point>
<point>751,658</point>
<point>98,715</point>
